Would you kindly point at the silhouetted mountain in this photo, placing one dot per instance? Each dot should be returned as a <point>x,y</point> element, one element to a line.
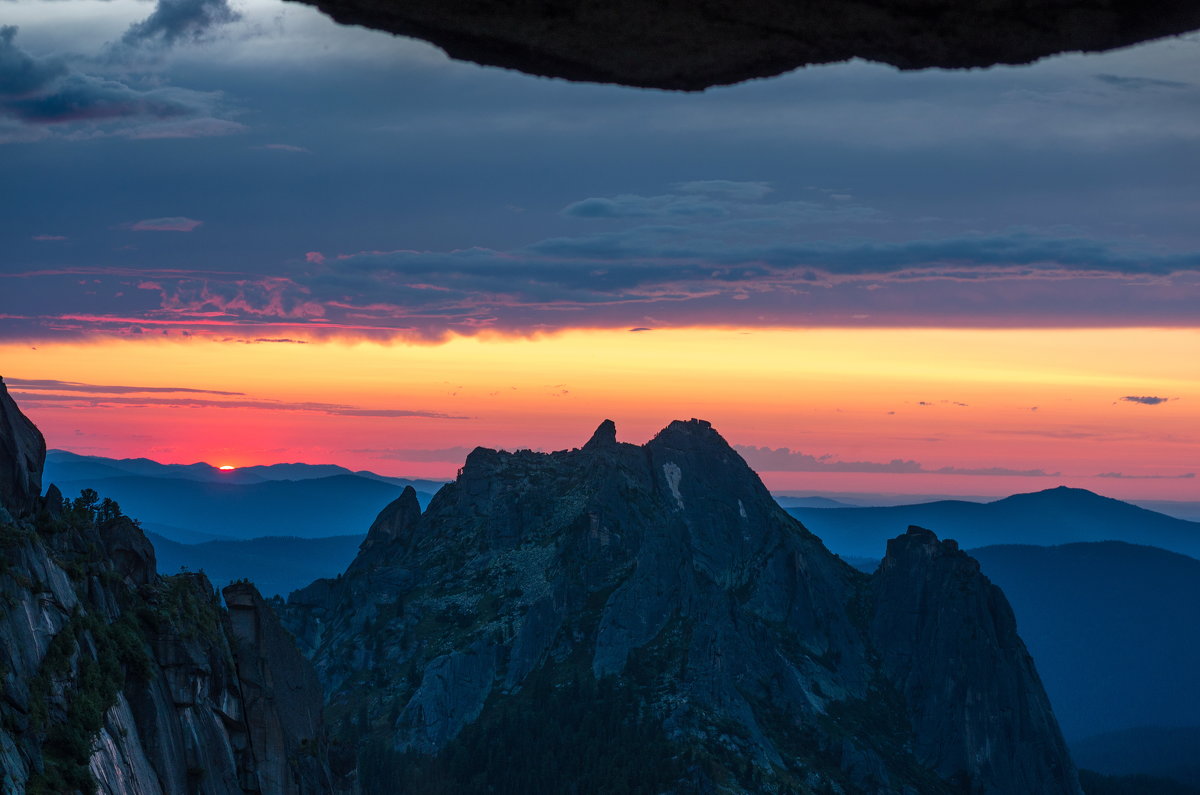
<point>647,619</point>
<point>1159,751</point>
<point>1114,628</point>
<point>1054,516</point>
<point>316,508</point>
<point>63,466</point>
<point>276,565</point>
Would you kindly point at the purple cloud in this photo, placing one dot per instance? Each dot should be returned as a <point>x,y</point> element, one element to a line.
<point>171,224</point>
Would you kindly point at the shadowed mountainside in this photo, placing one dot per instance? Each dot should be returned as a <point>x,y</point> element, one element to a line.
<point>117,680</point>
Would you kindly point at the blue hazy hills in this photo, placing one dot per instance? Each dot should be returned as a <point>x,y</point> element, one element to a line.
<point>1055,516</point>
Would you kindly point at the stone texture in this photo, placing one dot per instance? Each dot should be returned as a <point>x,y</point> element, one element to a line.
<point>22,455</point>
<point>948,639</point>
<point>694,45</point>
<point>281,697</point>
<point>203,703</point>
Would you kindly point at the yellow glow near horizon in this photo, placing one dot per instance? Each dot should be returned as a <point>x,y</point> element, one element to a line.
<point>1021,399</point>
<point>226,467</point>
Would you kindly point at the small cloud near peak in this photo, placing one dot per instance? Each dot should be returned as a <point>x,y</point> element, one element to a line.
<point>1146,400</point>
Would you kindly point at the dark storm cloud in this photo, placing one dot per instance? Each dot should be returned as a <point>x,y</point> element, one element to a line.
<point>785,460</point>
<point>1145,400</point>
<point>51,385</point>
<point>40,94</point>
<point>179,20</point>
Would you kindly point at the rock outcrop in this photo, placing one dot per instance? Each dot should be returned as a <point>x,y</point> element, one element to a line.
<point>726,648</point>
<point>120,681</point>
<point>22,455</point>
<point>942,629</point>
<point>691,46</point>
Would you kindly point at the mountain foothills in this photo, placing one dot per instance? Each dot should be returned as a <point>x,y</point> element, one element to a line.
<point>614,619</point>
<point>121,681</point>
<point>619,618</point>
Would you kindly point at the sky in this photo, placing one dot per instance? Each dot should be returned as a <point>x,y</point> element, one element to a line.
<point>240,233</point>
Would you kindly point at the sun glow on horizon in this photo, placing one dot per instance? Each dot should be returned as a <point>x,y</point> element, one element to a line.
<point>226,467</point>
<point>1056,400</point>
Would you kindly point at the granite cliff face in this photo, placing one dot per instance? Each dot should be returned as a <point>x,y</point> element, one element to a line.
<point>664,578</point>
<point>119,680</point>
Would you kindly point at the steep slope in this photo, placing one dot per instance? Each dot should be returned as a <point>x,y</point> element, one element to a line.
<point>119,681</point>
<point>1055,516</point>
<point>665,581</point>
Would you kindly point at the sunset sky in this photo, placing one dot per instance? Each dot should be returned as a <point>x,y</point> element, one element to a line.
<point>242,234</point>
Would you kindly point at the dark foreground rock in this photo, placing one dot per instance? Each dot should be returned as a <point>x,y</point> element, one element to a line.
<point>694,45</point>
<point>649,614</point>
<point>120,681</point>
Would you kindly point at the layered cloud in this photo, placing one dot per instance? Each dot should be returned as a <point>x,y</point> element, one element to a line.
<point>43,96</point>
<point>741,261</point>
<point>42,398</point>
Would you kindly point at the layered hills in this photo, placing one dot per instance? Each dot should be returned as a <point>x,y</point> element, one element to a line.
<point>1051,517</point>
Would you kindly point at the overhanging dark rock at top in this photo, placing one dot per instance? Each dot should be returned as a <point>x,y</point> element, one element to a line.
<point>696,44</point>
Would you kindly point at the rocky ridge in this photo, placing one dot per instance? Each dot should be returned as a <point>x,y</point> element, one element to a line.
<point>120,681</point>
<point>664,578</point>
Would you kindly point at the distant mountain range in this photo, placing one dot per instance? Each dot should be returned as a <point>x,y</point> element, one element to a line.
<point>62,465</point>
<point>195,503</point>
<point>1054,516</point>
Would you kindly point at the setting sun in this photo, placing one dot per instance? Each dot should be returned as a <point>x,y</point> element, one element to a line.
<point>226,468</point>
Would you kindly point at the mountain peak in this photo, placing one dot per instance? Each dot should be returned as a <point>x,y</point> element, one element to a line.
<point>690,434</point>
<point>604,436</point>
<point>396,521</point>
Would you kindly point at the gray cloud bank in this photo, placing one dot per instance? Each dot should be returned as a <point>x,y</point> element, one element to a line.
<point>48,95</point>
<point>783,459</point>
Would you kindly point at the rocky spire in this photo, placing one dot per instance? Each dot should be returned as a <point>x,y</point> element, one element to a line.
<point>22,455</point>
<point>948,641</point>
<point>605,436</point>
<point>395,522</point>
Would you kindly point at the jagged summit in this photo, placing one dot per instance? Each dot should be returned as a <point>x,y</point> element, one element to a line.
<point>668,571</point>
